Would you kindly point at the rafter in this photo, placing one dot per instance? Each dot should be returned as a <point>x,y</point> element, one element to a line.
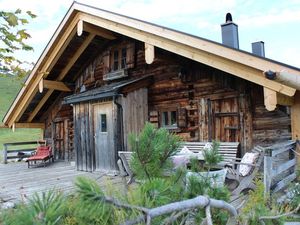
<point>98,31</point>
<point>149,53</point>
<point>26,94</point>
<point>30,125</point>
<point>270,99</point>
<point>79,27</point>
<point>64,72</point>
<point>53,85</point>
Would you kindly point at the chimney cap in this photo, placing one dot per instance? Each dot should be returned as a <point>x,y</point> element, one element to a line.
<point>228,18</point>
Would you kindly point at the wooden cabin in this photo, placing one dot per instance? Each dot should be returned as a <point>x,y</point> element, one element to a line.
<point>103,75</point>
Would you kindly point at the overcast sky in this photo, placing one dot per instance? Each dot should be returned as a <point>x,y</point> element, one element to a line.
<point>276,22</point>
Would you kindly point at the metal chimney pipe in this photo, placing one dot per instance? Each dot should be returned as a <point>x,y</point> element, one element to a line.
<point>230,34</point>
<point>258,48</point>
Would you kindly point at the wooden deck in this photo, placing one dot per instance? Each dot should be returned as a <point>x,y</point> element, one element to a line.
<point>18,183</point>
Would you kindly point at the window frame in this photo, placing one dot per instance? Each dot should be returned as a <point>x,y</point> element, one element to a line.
<point>168,125</point>
<point>121,59</point>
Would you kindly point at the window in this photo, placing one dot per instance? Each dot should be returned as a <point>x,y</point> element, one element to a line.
<point>169,119</point>
<point>103,123</point>
<point>118,59</point>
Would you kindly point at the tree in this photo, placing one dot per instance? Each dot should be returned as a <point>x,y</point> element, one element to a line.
<point>13,38</point>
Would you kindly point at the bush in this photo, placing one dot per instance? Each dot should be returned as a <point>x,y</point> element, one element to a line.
<point>152,149</point>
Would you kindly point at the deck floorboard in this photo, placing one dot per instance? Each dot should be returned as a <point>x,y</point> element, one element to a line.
<point>18,183</point>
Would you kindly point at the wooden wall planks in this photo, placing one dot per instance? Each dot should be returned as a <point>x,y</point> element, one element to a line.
<point>216,105</point>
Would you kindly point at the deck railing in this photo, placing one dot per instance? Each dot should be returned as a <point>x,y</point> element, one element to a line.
<point>279,166</point>
<point>11,150</point>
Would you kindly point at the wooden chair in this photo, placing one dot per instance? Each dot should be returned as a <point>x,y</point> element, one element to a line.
<point>244,182</point>
<point>43,154</point>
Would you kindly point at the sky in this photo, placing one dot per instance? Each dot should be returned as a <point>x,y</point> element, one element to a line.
<point>276,22</point>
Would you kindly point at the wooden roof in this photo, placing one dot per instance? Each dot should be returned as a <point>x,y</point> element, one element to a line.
<point>67,52</point>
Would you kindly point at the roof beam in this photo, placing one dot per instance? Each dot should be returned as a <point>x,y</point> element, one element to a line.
<point>149,53</point>
<point>115,20</point>
<point>31,86</point>
<point>30,125</point>
<point>76,55</point>
<point>98,31</point>
<point>270,99</point>
<point>53,85</point>
<point>196,54</point>
<point>295,118</point>
<point>289,79</point>
<point>39,106</point>
<point>273,98</point>
<point>64,72</point>
<point>79,27</point>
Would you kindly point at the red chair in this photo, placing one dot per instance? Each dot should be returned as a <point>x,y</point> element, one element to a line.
<point>43,153</point>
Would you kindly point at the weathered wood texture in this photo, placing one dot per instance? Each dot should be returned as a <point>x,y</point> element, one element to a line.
<point>103,127</point>
<point>210,104</point>
<point>279,166</point>
<point>84,138</point>
<point>135,113</point>
<point>11,150</point>
<point>18,183</point>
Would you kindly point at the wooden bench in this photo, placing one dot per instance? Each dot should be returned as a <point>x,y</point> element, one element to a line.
<point>229,151</point>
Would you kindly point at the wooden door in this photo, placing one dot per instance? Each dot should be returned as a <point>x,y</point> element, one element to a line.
<point>59,144</point>
<point>105,156</point>
<point>225,120</point>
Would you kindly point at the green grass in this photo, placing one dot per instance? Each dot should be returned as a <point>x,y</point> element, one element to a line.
<point>8,90</point>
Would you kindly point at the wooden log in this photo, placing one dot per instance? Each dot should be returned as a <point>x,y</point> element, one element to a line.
<point>149,53</point>
<point>270,99</point>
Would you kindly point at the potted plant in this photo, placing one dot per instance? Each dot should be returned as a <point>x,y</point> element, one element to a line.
<point>209,170</point>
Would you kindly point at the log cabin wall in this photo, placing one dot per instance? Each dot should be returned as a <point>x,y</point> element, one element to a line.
<point>269,127</point>
<point>209,103</point>
<point>59,130</point>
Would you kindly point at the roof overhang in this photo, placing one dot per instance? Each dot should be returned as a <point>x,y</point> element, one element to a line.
<point>233,61</point>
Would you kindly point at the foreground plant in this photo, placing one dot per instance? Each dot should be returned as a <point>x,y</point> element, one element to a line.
<point>45,209</point>
<point>152,150</point>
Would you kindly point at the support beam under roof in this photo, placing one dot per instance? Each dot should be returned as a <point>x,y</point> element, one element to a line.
<point>64,72</point>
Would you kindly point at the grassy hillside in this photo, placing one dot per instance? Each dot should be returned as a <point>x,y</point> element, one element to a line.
<point>8,90</point>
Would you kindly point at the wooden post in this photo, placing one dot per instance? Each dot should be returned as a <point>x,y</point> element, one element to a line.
<point>149,53</point>
<point>5,153</point>
<point>295,122</point>
<point>270,99</point>
<point>268,171</point>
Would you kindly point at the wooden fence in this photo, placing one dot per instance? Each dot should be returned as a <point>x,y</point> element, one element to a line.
<point>279,166</point>
<point>11,150</point>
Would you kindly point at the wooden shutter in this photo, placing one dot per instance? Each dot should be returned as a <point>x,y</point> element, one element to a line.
<point>130,55</point>
<point>106,63</point>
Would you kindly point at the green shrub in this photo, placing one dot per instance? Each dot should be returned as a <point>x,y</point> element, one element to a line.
<point>45,209</point>
<point>257,205</point>
<point>152,149</point>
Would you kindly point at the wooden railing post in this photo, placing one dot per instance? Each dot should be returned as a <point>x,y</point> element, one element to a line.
<point>268,171</point>
<point>4,153</point>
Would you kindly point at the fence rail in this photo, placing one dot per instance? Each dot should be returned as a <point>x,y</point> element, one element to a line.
<point>279,166</point>
<point>19,147</point>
